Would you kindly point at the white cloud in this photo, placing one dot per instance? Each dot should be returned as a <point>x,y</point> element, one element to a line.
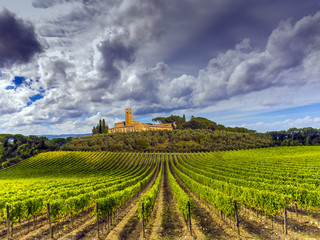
<point>100,57</point>
<point>285,124</point>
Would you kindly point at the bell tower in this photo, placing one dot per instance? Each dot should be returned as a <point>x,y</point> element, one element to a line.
<point>129,117</point>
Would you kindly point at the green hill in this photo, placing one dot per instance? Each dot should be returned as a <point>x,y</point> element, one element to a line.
<point>62,164</point>
<point>179,140</point>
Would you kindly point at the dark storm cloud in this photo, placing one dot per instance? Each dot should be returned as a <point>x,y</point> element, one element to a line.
<point>217,26</point>
<point>289,56</point>
<point>18,41</point>
<point>116,54</point>
<point>150,109</point>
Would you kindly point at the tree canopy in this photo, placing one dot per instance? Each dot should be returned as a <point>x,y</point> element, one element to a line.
<point>14,148</point>
<point>296,137</point>
<point>100,128</point>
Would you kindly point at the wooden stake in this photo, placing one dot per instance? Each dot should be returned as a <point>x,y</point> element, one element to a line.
<point>189,217</point>
<point>97,211</point>
<point>143,236</point>
<point>49,218</point>
<point>237,216</point>
<point>285,222</point>
<point>8,222</point>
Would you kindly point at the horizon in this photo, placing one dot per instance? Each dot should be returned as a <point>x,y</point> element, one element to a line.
<point>66,64</point>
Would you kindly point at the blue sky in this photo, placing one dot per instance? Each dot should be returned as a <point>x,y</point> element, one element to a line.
<point>64,64</point>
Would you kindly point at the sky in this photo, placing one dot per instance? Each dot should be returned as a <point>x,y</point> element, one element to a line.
<point>65,64</point>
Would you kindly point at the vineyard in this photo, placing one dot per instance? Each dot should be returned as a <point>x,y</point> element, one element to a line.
<point>270,193</point>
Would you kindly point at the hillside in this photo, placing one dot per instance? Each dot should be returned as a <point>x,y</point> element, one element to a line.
<point>99,195</point>
<point>179,140</point>
<point>16,147</point>
<point>60,164</point>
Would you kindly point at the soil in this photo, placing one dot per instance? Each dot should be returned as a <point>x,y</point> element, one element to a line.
<point>171,225</point>
<point>153,232</point>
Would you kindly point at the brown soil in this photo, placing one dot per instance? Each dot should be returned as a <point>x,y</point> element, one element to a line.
<point>166,221</point>
<point>303,226</point>
<point>153,232</point>
<point>173,225</point>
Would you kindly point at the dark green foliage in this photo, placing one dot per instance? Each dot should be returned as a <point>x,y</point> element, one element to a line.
<point>171,119</point>
<point>296,137</point>
<point>179,140</point>
<point>14,148</point>
<point>141,144</point>
<point>57,143</point>
<point>200,123</point>
<point>100,128</point>
<point>162,120</point>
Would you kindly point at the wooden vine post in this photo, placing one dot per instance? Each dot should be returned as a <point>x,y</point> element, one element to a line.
<point>143,235</point>
<point>49,218</point>
<point>97,212</point>
<point>236,215</point>
<point>8,222</point>
<point>189,217</point>
<point>285,221</point>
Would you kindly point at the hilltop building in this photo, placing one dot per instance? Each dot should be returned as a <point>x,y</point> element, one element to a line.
<point>134,126</point>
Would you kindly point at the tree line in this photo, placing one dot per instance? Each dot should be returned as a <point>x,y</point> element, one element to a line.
<point>296,137</point>
<point>16,147</point>
<point>178,140</point>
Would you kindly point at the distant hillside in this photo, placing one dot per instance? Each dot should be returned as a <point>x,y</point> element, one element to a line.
<point>50,137</point>
<point>182,140</point>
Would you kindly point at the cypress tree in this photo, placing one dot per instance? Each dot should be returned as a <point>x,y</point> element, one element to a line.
<point>100,126</point>
<point>103,126</point>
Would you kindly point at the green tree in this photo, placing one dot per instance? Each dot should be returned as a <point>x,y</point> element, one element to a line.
<point>141,144</point>
<point>100,128</point>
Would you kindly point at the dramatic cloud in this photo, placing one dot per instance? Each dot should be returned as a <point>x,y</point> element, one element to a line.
<point>116,54</point>
<point>18,41</point>
<point>285,61</point>
<point>214,58</point>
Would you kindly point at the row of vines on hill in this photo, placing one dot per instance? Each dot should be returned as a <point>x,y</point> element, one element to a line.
<point>267,180</point>
<point>120,176</point>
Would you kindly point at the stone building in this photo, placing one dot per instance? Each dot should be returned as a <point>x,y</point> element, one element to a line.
<point>134,126</point>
